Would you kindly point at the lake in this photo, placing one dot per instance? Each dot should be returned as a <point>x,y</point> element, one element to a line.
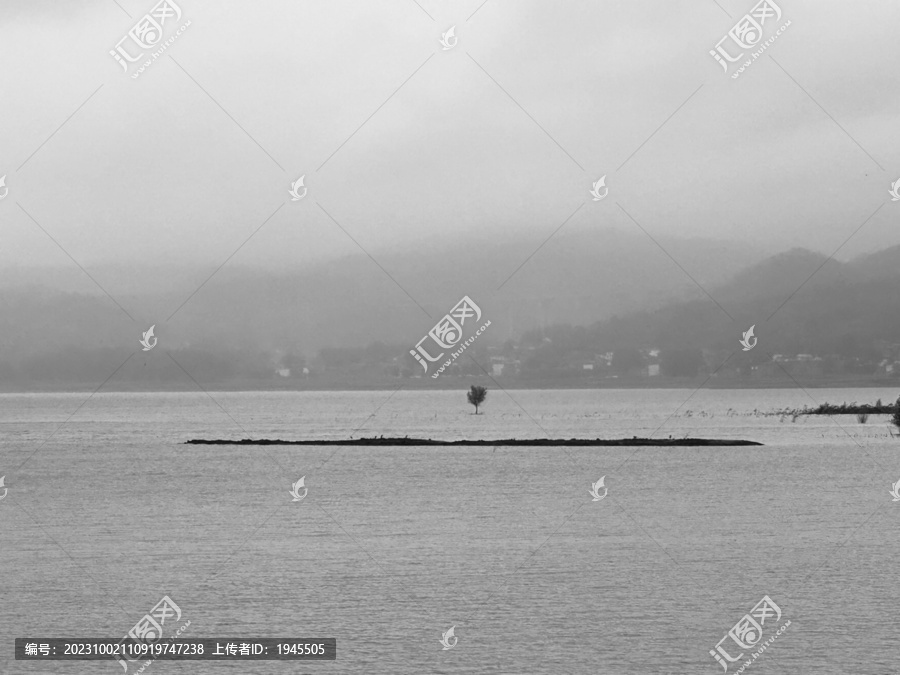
<point>392,546</point>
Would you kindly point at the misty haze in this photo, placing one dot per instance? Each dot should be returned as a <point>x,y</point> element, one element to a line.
<point>449,336</point>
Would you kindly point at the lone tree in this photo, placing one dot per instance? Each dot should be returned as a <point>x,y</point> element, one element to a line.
<point>476,396</point>
<point>895,420</point>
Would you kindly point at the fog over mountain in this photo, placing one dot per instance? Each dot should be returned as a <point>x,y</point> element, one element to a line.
<point>352,302</point>
<point>799,302</point>
<point>430,173</point>
<point>622,288</point>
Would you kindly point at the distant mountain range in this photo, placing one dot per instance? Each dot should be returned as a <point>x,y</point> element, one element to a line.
<point>799,302</point>
<point>626,291</point>
<point>577,278</point>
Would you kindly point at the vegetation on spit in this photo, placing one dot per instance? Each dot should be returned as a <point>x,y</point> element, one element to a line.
<point>861,410</point>
<point>476,396</point>
<point>854,408</point>
<point>895,420</point>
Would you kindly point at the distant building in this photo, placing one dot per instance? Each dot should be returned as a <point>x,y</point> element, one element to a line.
<point>587,366</point>
<point>284,372</point>
<point>653,369</point>
<point>499,364</point>
<point>768,370</point>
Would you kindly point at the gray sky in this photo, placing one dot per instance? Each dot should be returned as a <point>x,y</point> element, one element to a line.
<point>152,170</point>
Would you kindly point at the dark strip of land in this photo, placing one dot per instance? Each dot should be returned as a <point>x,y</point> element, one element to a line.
<point>842,409</point>
<point>538,442</point>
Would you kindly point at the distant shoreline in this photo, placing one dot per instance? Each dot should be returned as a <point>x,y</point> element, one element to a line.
<point>456,384</point>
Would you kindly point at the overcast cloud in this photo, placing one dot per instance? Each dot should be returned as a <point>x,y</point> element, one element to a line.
<point>500,137</point>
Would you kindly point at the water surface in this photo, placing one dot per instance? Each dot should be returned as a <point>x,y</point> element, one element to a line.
<point>392,546</point>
